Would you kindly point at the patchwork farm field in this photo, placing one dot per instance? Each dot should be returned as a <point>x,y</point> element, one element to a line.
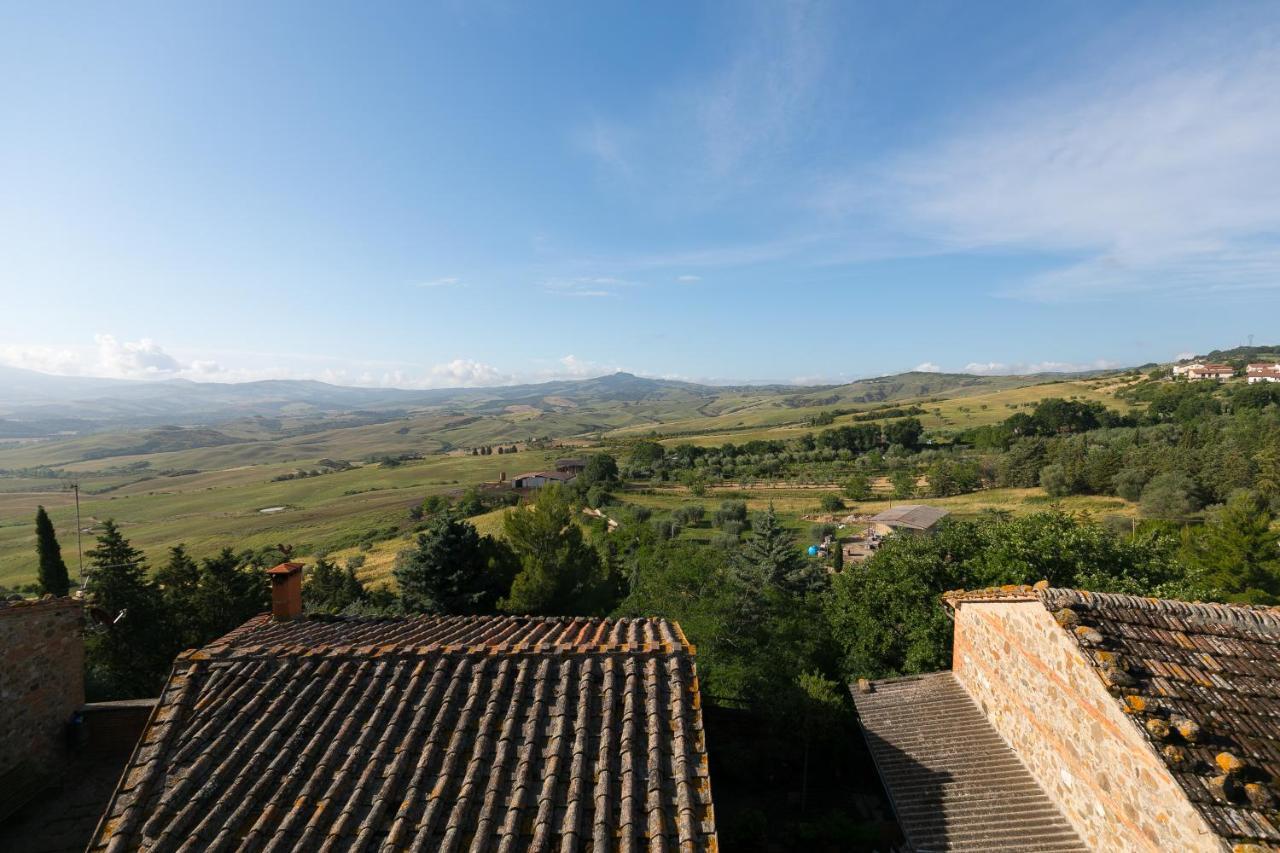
<point>208,488</point>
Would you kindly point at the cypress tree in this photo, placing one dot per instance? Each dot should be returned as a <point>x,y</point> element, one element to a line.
<point>53,571</point>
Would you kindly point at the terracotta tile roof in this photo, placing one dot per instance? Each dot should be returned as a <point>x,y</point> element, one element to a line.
<point>954,783</point>
<point>500,633</point>
<point>501,733</point>
<point>1010,592</point>
<point>1202,683</point>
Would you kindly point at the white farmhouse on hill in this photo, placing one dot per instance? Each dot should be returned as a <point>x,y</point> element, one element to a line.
<point>1216,372</point>
<point>1263,372</point>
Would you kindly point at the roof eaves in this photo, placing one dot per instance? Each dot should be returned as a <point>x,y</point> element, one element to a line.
<point>1006,593</point>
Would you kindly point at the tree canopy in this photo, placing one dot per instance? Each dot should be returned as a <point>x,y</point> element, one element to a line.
<point>559,572</point>
<point>453,569</point>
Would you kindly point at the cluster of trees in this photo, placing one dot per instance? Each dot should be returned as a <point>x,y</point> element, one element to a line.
<point>1174,468</point>
<point>470,503</point>
<point>828,453</point>
<point>394,460</point>
<point>489,450</point>
<point>325,466</point>
<point>143,619</point>
<point>541,565</point>
<point>1192,447</point>
<point>887,618</point>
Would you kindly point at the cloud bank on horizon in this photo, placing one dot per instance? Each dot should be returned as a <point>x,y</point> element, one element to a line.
<point>145,359</point>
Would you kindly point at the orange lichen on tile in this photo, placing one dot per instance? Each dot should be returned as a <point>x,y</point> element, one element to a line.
<point>1228,763</point>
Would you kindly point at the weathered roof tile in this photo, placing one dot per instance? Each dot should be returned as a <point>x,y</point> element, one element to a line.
<point>1212,672</point>
<point>424,733</point>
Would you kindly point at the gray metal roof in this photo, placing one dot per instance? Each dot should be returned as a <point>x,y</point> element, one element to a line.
<point>914,516</point>
<point>954,782</point>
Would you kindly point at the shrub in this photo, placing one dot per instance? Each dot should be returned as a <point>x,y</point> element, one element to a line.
<point>830,503</point>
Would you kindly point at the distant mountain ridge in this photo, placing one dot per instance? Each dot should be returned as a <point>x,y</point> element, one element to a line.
<point>34,404</point>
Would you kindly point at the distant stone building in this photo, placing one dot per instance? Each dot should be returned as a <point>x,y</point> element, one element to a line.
<point>423,733</point>
<point>1073,720</point>
<point>909,518</point>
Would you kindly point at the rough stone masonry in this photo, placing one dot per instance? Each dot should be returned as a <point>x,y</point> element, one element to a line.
<point>41,682</point>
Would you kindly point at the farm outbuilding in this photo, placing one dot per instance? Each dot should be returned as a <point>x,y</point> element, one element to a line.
<point>909,518</point>
<point>538,479</point>
<point>571,466</point>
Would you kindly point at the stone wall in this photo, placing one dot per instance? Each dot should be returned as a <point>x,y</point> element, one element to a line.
<point>1045,699</point>
<point>41,681</point>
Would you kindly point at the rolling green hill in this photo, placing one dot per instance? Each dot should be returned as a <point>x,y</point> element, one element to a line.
<point>207,483</point>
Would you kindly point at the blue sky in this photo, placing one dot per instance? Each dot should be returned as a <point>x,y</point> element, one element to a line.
<point>485,192</point>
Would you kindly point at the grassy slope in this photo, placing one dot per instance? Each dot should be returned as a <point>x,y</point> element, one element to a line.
<point>219,505</point>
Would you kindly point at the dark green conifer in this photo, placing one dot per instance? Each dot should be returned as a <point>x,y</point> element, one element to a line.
<point>53,571</point>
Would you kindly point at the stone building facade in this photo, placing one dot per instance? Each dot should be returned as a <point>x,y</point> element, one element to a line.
<point>1040,693</point>
<point>1149,724</point>
<point>41,682</point>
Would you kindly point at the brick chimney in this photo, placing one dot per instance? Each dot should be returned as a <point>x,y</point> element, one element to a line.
<point>286,591</point>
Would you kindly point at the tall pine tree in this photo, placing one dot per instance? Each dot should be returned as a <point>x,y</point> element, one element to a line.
<point>770,558</point>
<point>331,589</point>
<point>1239,550</point>
<point>53,571</point>
<point>453,569</point>
<point>179,582</point>
<point>129,655</point>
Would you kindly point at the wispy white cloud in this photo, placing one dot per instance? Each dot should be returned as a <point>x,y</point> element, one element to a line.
<point>999,368</point>
<point>572,367</point>
<point>584,286</point>
<point>145,359</point>
<point>720,130</point>
<point>1158,175</point>
<point>468,372</point>
<point>689,279</point>
<point>927,367</point>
